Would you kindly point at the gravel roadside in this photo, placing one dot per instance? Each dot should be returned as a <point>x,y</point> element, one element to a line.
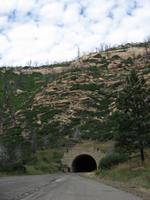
<point>141,192</point>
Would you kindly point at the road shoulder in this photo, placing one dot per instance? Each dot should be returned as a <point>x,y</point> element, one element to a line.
<point>140,192</point>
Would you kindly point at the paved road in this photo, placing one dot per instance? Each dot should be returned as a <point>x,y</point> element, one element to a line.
<point>58,187</point>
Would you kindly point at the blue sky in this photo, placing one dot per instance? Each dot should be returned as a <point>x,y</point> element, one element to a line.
<point>45,31</point>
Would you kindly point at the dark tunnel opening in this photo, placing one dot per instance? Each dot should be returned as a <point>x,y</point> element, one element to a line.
<point>84,163</point>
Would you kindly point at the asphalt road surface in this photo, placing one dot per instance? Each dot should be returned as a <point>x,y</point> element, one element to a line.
<point>58,187</point>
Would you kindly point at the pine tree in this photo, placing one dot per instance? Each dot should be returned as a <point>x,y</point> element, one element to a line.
<point>133,121</point>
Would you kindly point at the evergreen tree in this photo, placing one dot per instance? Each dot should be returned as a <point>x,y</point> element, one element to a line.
<point>133,115</point>
<point>14,150</point>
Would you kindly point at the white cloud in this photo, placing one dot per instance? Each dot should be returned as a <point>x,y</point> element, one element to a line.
<point>71,14</point>
<point>8,5</point>
<point>3,21</point>
<point>51,12</point>
<point>52,30</point>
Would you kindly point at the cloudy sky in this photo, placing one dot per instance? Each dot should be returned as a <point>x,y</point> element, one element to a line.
<point>45,31</point>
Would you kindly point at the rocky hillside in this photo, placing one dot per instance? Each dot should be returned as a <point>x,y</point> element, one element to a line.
<point>69,99</point>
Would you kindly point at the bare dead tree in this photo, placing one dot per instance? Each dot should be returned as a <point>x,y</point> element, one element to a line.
<point>147,46</point>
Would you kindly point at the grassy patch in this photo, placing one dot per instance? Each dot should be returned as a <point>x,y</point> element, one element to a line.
<point>46,161</point>
<point>139,176</point>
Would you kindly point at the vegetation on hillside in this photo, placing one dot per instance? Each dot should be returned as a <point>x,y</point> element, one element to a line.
<point>42,111</point>
<point>132,137</point>
<point>133,115</point>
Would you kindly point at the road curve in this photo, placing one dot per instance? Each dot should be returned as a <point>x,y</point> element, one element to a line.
<point>58,187</point>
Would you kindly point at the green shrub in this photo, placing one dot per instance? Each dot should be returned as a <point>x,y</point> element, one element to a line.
<point>116,57</point>
<point>86,86</point>
<point>111,160</point>
<point>46,161</point>
<point>129,61</point>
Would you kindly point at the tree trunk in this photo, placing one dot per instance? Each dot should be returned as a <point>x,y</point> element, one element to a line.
<point>142,154</point>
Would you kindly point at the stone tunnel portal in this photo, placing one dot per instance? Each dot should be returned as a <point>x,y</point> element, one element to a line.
<point>84,163</point>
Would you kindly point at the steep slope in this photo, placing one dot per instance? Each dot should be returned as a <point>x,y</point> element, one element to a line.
<point>45,110</point>
<point>78,95</point>
<point>83,96</point>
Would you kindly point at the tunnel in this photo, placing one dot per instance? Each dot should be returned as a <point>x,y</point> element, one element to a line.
<point>84,163</point>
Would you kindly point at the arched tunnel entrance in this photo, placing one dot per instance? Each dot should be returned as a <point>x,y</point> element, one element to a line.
<point>84,163</point>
